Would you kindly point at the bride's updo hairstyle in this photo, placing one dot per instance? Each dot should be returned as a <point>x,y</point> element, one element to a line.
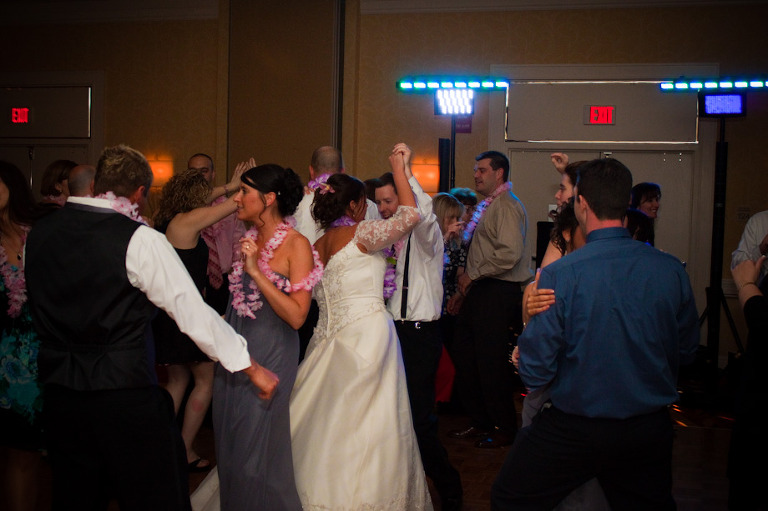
<point>285,183</point>
<point>332,198</point>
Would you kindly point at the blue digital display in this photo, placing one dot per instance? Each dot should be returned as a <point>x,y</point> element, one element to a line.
<point>722,104</point>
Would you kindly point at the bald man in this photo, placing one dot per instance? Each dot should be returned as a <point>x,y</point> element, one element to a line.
<point>81,180</point>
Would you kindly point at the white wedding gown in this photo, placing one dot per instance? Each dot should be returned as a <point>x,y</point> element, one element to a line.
<point>353,442</point>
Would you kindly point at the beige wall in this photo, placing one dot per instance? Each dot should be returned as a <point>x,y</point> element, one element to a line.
<point>160,78</point>
<point>281,76</point>
<point>173,88</point>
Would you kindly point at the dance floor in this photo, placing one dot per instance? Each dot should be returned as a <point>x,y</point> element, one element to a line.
<point>699,462</point>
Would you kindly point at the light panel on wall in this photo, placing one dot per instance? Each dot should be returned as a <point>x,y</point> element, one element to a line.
<point>454,101</point>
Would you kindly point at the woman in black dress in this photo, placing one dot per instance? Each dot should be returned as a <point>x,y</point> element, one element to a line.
<point>182,214</point>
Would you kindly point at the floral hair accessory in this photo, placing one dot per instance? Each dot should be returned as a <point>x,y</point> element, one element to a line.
<point>324,188</point>
<point>321,179</point>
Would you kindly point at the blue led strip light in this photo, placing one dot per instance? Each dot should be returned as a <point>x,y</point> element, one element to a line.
<point>434,83</point>
<point>714,84</point>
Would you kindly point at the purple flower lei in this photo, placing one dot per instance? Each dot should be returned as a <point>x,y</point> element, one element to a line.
<point>478,214</point>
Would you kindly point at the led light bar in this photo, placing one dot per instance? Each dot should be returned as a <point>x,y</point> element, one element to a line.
<point>683,85</point>
<point>435,83</point>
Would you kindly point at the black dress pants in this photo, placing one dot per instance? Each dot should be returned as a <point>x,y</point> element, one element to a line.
<point>484,379</point>
<point>121,444</point>
<point>631,458</point>
<point>421,347</point>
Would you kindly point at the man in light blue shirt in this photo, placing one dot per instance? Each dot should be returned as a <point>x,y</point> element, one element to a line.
<point>609,349</point>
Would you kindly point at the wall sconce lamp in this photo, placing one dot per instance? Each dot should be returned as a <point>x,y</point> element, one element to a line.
<point>162,170</point>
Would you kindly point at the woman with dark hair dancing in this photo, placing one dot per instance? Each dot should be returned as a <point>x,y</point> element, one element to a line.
<point>270,292</point>
<point>353,441</point>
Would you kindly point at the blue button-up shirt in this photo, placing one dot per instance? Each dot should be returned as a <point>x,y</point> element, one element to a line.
<point>623,321</point>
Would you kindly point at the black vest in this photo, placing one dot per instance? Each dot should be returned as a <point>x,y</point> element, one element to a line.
<point>94,326</point>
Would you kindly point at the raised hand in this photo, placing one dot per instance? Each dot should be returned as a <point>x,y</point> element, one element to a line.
<point>234,183</point>
<point>560,161</point>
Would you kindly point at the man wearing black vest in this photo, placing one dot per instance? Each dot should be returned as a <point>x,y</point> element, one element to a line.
<point>416,305</point>
<point>94,279</point>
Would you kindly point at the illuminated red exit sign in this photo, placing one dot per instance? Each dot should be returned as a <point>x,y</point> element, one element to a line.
<point>20,115</point>
<point>598,114</point>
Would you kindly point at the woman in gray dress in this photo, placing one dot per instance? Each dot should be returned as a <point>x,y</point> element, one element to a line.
<point>270,292</point>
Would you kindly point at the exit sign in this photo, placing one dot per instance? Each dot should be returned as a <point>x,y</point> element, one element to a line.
<point>20,115</point>
<point>599,114</point>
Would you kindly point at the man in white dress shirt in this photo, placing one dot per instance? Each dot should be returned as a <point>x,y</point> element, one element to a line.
<point>416,305</point>
<point>94,279</point>
<point>326,160</point>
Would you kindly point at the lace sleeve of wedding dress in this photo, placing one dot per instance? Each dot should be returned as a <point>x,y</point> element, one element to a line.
<point>376,235</point>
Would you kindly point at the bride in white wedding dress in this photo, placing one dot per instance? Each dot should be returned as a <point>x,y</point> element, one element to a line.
<point>353,441</point>
<point>352,438</point>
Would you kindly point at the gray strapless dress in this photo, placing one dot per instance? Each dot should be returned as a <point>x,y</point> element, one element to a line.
<point>253,437</point>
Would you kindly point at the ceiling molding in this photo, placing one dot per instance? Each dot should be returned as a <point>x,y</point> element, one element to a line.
<point>13,12</point>
<point>431,6</point>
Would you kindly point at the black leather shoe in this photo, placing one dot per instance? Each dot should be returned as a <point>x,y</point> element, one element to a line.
<point>494,441</point>
<point>470,432</point>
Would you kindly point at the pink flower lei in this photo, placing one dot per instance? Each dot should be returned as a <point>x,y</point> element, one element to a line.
<point>123,206</point>
<point>246,305</point>
<point>55,199</point>
<point>478,214</point>
<point>13,279</point>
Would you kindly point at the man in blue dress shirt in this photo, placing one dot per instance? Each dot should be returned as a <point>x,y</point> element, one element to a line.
<point>609,348</point>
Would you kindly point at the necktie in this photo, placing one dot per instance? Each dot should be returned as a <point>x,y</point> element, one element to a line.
<point>404,297</point>
<point>214,266</point>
